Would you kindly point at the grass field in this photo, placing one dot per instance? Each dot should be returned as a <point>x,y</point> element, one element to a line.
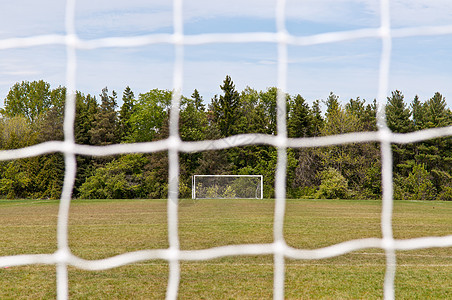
<point>103,228</point>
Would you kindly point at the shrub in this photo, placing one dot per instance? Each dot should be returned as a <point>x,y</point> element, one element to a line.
<point>419,185</point>
<point>446,194</point>
<point>333,185</point>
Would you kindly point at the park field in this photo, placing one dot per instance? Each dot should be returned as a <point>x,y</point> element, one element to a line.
<point>104,228</point>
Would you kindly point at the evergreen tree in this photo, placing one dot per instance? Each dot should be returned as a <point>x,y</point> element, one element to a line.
<point>125,113</point>
<point>417,109</point>
<point>436,154</point>
<point>300,119</point>
<point>317,119</point>
<point>225,107</point>
<point>48,169</point>
<point>198,102</point>
<point>398,120</point>
<point>436,114</point>
<point>193,126</point>
<point>105,129</point>
<point>332,104</point>
<point>398,114</point>
<point>86,109</point>
<point>251,118</point>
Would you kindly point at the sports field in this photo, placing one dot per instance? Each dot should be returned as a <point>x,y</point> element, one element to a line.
<point>104,228</point>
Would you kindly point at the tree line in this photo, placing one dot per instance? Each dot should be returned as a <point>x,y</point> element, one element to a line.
<point>33,113</point>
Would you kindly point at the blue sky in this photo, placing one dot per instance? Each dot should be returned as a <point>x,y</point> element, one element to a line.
<point>419,65</point>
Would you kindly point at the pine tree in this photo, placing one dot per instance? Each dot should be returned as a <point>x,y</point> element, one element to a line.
<point>398,114</point>
<point>199,105</point>
<point>332,104</point>
<point>436,154</point>
<point>300,119</point>
<point>317,120</point>
<point>225,107</point>
<point>125,113</point>
<point>398,120</point>
<point>105,129</point>
<point>418,113</point>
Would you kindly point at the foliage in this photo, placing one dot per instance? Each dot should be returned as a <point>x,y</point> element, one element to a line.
<point>149,114</point>
<point>119,179</point>
<point>28,100</point>
<point>333,185</point>
<point>15,181</point>
<point>126,111</point>
<point>33,113</point>
<point>419,185</point>
<point>105,130</point>
<point>225,107</point>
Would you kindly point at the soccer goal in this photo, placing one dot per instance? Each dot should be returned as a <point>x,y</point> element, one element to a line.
<point>227,186</point>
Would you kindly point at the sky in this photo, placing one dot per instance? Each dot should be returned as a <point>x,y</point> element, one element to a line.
<point>420,65</point>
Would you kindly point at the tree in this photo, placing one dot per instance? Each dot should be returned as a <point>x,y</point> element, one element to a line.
<point>269,100</point>
<point>150,113</point>
<point>398,114</point>
<point>398,120</point>
<point>332,104</point>
<point>105,130</point>
<point>86,109</point>
<point>49,169</point>
<point>16,133</point>
<point>308,166</point>
<point>15,180</point>
<point>351,160</point>
<point>28,99</point>
<point>317,119</point>
<point>417,109</point>
<point>366,114</point>
<point>198,102</point>
<point>300,119</point>
<point>193,126</point>
<point>225,107</point>
<point>125,113</point>
<point>436,154</point>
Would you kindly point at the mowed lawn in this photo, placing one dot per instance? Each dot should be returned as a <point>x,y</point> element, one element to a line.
<point>104,228</point>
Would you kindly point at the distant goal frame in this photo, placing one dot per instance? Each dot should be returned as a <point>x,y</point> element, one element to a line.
<point>194,177</point>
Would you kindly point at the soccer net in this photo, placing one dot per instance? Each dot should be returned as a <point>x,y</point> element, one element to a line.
<point>63,258</point>
<point>227,187</point>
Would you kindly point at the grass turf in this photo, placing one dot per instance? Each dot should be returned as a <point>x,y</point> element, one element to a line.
<point>103,228</point>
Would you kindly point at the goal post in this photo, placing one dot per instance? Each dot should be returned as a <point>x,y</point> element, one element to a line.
<point>227,187</point>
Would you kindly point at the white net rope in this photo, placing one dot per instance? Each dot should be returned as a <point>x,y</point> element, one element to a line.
<point>63,257</point>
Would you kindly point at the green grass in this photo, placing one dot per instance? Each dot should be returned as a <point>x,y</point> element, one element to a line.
<point>103,228</point>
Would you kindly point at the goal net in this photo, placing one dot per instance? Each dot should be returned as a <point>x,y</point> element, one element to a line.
<point>227,187</point>
<point>383,33</point>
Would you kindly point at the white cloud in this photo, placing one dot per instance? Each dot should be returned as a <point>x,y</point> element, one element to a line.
<point>421,13</point>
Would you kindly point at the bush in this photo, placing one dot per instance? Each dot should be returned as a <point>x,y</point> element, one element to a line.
<point>333,185</point>
<point>419,185</point>
<point>446,194</point>
<point>120,179</point>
